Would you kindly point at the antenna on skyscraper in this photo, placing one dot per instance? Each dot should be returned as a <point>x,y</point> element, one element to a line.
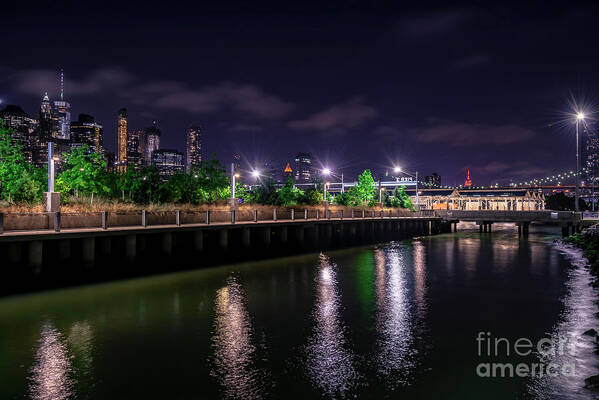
<point>61,84</point>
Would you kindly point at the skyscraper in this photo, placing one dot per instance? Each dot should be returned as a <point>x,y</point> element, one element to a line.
<point>590,153</point>
<point>135,149</point>
<point>62,114</point>
<point>433,180</point>
<point>193,147</point>
<point>152,141</point>
<point>303,168</point>
<point>122,140</point>
<point>87,131</point>
<point>168,162</point>
<point>22,127</point>
<point>43,133</point>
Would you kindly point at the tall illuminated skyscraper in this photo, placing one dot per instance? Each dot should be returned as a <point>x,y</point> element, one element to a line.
<point>303,168</point>
<point>87,131</point>
<point>43,133</point>
<point>122,140</point>
<point>135,149</point>
<point>152,142</point>
<point>62,114</point>
<point>193,147</point>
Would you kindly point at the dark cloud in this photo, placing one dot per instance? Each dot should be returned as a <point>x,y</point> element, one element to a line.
<point>244,98</point>
<point>435,23</point>
<point>339,118</point>
<point>459,134</point>
<point>471,61</point>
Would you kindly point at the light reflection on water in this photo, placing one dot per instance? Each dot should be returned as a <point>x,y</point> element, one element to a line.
<point>393,316</point>
<point>379,322</point>
<point>578,316</point>
<point>330,362</point>
<point>50,376</point>
<point>234,353</point>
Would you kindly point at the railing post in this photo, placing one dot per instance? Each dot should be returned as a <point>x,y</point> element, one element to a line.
<point>255,215</point>
<point>328,214</point>
<point>1,223</point>
<point>104,220</point>
<point>317,213</point>
<point>57,221</point>
<point>178,218</point>
<point>232,216</point>
<point>274,214</point>
<point>292,214</point>
<point>352,213</point>
<point>144,221</point>
<point>363,213</point>
<point>341,215</point>
<point>305,214</point>
<point>207,217</point>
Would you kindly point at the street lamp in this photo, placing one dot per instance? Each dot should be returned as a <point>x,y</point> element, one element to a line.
<point>579,118</point>
<point>397,169</point>
<point>233,176</point>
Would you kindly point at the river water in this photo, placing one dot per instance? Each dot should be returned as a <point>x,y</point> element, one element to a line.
<point>397,320</point>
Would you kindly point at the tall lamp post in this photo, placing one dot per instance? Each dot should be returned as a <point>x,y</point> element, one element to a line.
<point>233,176</point>
<point>398,170</point>
<point>325,172</point>
<point>579,118</point>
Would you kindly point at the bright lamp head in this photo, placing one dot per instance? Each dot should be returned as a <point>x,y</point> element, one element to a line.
<point>396,169</point>
<point>580,116</point>
<point>326,171</point>
<point>255,173</point>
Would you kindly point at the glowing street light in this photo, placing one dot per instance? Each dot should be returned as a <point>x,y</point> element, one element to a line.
<point>397,169</point>
<point>256,174</point>
<point>326,171</point>
<point>579,118</point>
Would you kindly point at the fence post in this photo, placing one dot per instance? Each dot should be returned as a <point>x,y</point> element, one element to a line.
<point>178,218</point>
<point>329,214</point>
<point>232,216</point>
<point>104,220</point>
<point>352,213</point>
<point>274,214</point>
<point>305,214</point>
<point>317,213</point>
<point>144,221</point>
<point>341,214</point>
<point>293,214</point>
<point>1,223</point>
<point>255,215</point>
<point>363,212</point>
<point>57,221</point>
<point>207,217</point>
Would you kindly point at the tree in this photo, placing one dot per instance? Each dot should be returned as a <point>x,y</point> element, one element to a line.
<point>401,199</point>
<point>311,196</point>
<point>561,202</point>
<point>147,186</point>
<point>84,171</point>
<point>361,194</point>
<point>19,181</point>
<point>210,182</point>
<point>289,195</point>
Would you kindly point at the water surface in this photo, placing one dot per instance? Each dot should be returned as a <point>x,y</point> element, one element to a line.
<point>398,320</point>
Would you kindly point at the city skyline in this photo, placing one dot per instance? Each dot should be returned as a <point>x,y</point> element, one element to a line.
<point>397,90</point>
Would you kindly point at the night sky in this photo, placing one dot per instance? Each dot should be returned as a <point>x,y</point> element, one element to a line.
<point>429,87</point>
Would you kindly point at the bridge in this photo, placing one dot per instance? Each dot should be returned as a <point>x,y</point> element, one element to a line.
<point>568,220</point>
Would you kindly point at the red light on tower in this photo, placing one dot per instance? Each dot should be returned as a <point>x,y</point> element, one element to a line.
<point>468,182</point>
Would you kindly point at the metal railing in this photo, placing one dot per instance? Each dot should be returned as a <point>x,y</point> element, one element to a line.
<point>103,220</point>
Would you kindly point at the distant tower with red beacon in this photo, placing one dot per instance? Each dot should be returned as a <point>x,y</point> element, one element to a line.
<point>468,182</point>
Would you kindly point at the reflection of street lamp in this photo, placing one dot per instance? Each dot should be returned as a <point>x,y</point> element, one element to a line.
<point>579,118</point>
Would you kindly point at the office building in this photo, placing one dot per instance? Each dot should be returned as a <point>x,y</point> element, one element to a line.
<point>122,140</point>
<point>151,142</point>
<point>168,162</point>
<point>193,147</point>
<point>303,168</point>
<point>135,149</point>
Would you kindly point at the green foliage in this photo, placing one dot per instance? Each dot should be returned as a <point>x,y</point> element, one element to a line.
<point>83,171</point>
<point>311,196</point>
<point>210,182</point>
<point>19,181</point>
<point>400,199</point>
<point>289,195</point>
